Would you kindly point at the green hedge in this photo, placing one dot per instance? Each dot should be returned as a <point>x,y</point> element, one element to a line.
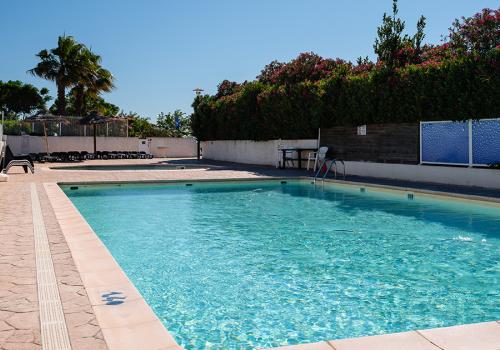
<point>455,89</point>
<point>15,127</point>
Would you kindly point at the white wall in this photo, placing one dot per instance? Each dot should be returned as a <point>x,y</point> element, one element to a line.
<point>265,153</point>
<point>160,146</point>
<point>250,152</point>
<point>478,177</point>
<point>173,147</point>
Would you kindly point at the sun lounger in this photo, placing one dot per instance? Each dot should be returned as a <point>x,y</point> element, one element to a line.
<point>8,160</point>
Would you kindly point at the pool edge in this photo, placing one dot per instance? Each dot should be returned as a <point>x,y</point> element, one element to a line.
<point>128,325</point>
<point>491,201</point>
<point>69,215</point>
<point>477,336</point>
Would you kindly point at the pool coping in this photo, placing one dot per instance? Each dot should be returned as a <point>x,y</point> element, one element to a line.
<point>133,324</point>
<point>72,167</point>
<point>491,201</point>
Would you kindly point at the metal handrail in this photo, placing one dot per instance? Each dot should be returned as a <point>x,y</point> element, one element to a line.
<point>319,170</point>
<point>343,168</point>
<point>333,162</point>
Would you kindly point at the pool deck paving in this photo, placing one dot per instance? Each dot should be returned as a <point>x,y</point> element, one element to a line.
<point>60,288</point>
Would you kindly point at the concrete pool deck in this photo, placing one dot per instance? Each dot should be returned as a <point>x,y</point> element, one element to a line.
<point>67,294</point>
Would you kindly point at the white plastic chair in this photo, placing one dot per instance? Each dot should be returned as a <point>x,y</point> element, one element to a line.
<point>290,155</point>
<point>317,156</point>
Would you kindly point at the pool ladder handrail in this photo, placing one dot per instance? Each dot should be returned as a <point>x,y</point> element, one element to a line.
<point>332,163</point>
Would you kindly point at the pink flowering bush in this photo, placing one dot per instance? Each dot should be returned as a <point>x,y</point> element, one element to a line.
<point>477,34</point>
<point>457,79</point>
<point>307,66</point>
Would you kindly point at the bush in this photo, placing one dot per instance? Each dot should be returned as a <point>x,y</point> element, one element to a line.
<point>15,127</point>
<point>292,100</point>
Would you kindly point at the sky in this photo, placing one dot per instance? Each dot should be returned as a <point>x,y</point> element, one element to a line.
<point>160,50</point>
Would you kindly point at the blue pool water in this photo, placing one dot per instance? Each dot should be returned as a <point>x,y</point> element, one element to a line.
<point>263,264</point>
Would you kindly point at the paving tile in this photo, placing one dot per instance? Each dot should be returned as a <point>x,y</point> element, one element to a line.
<point>144,336</point>
<point>24,320</point>
<point>478,336</point>
<point>129,313</point>
<point>311,346</point>
<point>98,264</point>
<point>85,245</point>
<point>128,291</point>
<point>83,330</point>
<point>395,341</point>
<point>84,255</point>
<point>103,278</point>
<point>19,326</point>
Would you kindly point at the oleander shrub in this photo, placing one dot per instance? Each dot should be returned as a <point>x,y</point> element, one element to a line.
<point>456,80</point>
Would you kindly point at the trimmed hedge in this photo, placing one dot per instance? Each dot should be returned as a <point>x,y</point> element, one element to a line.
<point>454,89</point>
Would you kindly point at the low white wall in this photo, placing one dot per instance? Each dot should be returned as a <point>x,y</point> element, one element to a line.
<point>36,144</point>
<point>250,152</point>
<point>478,177</point>
<point>265,153</point>
<point>173,147</point>
<point>160,146</point>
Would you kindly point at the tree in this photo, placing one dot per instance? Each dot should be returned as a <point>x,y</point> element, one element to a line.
<point>92,103</point>
<point>93,79</point>
<point>174,124</point>
<point>140,126</point>
<point>61,65</point>
<point>226,87</point>
<point>392,47</point>
<point>18,99</point>
<point>73,65</point>
<point>477,34</point>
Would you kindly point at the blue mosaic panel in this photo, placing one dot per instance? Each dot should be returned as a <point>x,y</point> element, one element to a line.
<point>486,141</point>
<point>446,142</point>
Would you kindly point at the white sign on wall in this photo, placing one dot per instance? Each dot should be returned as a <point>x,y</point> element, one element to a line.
<point>362,130</point>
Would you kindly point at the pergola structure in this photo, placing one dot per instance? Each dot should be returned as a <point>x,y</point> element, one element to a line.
<point>94,119</point>
<point>43,119</point>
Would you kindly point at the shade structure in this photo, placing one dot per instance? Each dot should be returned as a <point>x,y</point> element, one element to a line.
<point>44,118</point>
<point>94,119</point>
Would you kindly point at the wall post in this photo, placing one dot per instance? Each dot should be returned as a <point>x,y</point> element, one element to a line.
<point>471,161</point>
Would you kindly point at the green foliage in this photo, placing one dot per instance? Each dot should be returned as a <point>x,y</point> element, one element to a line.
<point>392,47</point>
<point>174,124</point>
<point>15,127</point>
<point>409,83</point>
<point>166,125</point>
<point>91,103</point>
<point>479,33</point>
<point>73,65</point>
<point>18,99</point>
<point>92,80</point>
<point>60,65</point>
<point>140,126</point>
<point>307,66</point>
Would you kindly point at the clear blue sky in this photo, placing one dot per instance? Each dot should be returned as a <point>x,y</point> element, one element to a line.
<point>159,50</point>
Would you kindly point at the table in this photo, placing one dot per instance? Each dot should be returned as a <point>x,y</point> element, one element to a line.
<point>299,151</point>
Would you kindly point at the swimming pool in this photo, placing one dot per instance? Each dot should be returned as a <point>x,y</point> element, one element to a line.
<point>243,265</point>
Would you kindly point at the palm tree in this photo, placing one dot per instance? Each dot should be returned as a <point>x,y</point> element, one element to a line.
<point>61,65</point>
<point>93,79</point>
